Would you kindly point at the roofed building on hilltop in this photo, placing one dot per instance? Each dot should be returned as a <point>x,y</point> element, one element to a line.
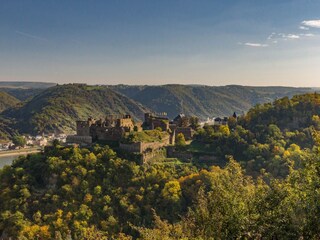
<point>221,121</point>
<point>181,120</point>
<point>181,124</point>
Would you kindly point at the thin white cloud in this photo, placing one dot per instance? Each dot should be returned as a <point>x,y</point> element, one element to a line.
<point>307,35</point>
<point>275,38</point>
<point>292,36</point>
<point>271,36</point>
<point>249,44</point>
<point>303,28</point>
<point>312,23</point>
<point>285,37</point>
<point>31,36</point>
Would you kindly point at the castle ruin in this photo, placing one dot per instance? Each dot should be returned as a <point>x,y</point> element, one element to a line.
<point>112,128</point>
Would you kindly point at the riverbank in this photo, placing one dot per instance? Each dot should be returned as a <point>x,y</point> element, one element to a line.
<point>19,152</point>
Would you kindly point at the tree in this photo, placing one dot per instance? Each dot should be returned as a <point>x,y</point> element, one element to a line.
<point>224,129</point>
<point>194,123</point>
<point>232,122</point>
<point>55,143</point>
<point>180,140</point>
<point>19,141</point>
<point>172,191</point>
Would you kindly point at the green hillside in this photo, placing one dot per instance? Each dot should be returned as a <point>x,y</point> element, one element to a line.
<point>291,114</point>
<point>204,101</point>
<point>7,131</point>
<point>268,136</point>
<point>23,94</point>
<point>7,101</point>
<point>57,108</point>
<point>24,90</point>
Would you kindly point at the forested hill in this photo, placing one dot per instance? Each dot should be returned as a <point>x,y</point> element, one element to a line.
<point>6,101</point>
<point>295,113</point>
<point>57,108</point>
<point>24,90</point>
<point>204,101</point>
<point>23,94</point>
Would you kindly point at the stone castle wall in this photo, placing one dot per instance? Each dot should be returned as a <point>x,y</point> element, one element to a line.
<point>142,147</point>
<point>188,132</point>
<point>153,122</point>
<point>82,140</point>
<point>83,128</point>
<point>131,147</point>
<point>126,123</point>
<point>160,123</point>
<point>106,134</point>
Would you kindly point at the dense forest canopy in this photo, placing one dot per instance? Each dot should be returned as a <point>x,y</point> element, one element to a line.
<point>268,188</point>
<point>204,101</point>
<point>7,101</point>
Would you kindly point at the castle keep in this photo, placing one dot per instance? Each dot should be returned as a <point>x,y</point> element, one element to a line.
<point>112,128</point>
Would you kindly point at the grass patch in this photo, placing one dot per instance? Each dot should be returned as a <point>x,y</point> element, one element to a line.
<point>199,147</point>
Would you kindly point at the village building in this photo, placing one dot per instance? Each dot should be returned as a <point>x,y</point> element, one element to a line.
<point>221,121</point>
<point>5,145</point>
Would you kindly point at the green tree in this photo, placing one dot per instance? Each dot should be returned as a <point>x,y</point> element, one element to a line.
<point>172,191</point>
<point>194,123</point>
<point>55,143</point>
<point>224,129</point>
<point>180,140</point>
<point>19,141</point>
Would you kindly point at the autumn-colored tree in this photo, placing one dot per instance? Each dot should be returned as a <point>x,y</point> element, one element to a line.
<point>180,140</point>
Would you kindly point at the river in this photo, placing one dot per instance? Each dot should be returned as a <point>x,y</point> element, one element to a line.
<point>6,160</point>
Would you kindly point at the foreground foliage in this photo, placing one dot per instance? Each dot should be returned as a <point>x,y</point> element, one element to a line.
<point>71,192</point>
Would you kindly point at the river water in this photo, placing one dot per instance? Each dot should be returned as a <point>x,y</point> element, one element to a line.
<point>7,160</point>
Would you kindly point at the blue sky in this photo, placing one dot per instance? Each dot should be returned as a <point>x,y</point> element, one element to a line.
<point>245,42</point>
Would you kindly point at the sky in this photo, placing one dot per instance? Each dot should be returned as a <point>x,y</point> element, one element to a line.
<point>210,42</point>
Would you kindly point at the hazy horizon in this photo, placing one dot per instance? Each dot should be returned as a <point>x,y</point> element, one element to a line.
<point>212,43</point>
<point>133,84</point>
